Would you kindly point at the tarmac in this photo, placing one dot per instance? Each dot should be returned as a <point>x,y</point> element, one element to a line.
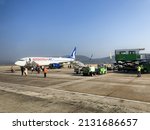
<point>64,91</point>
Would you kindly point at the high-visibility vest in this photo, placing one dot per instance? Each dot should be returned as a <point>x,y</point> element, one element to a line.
<point>139,68</point>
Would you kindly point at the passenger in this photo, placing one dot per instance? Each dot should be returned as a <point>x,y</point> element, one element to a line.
<point>22,70</point>
<point>45,72</point>
<point>139,71</point>
<point>26,71</point>
<point>69,66</point>
<point>32,69</point>
<point>42,67</point>
<point>12,69</point>
<point>38,68</point>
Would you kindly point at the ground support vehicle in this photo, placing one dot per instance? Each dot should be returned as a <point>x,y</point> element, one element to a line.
<point>78,67</point>
<point>145,66</point>
<point>89,71</point>
<point>129,59</point>
<point>78,70</point>
<point>101,70</point>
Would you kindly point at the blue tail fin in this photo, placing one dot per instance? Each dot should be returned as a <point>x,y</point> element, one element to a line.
<point>73,54</point>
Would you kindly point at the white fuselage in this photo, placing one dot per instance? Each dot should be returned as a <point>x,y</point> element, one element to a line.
<point>42,61</point>
<point>45,61</point>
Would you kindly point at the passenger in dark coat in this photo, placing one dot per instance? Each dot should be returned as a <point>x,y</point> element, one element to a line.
<point>22,70</point>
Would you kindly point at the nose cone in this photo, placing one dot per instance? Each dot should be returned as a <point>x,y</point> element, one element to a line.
<point>20,63</point>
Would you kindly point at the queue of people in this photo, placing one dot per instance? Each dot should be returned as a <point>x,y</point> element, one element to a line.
<point>24,70</point>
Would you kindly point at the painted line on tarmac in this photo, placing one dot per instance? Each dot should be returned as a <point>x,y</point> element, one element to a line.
<point>76,97</point>
<point>108,97</point>
<point>47,93</point>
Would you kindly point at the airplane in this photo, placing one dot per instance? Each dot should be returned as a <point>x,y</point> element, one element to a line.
<point>45,61</point>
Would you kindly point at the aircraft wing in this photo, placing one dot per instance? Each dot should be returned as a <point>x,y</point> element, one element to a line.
<point>43,63</point>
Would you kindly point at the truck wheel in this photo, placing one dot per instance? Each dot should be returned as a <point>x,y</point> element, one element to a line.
<point>91,74</point>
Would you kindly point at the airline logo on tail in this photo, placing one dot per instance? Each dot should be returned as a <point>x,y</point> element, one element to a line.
<point>73,54</point>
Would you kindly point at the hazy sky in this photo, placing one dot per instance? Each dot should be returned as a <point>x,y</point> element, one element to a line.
<point>54,27</point>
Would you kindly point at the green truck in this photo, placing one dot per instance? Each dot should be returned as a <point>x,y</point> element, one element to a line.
<point>101,70</point>
<point>145,67</point>
<point>129,59</point>
<point>127,55</point>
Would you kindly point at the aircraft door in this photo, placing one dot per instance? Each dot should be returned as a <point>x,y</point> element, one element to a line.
<point>29,61</point>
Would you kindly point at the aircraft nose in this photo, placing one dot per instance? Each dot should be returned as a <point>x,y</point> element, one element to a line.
<point>20,63</point>
<point>16,63</point>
